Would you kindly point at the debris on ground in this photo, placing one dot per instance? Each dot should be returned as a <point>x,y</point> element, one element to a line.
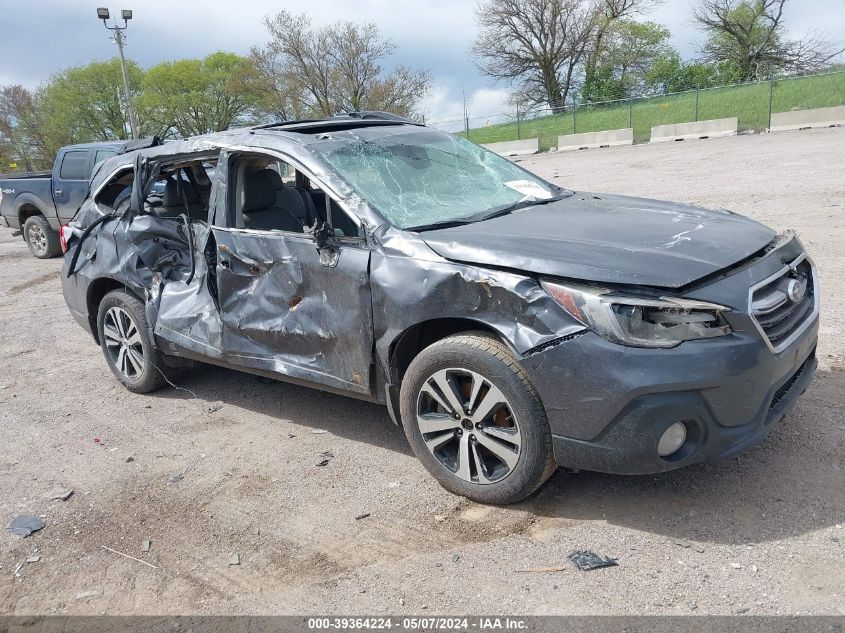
<point>327,457</point>
<point>689,545</point>
<point>60,494</point>
<point>145,546</point>
<point>137,560</point>
<point>175,478</point>
<point>129,459</point>
<point>585,560</point>
<point>212,408</point>
<point>25,525</point>
<point>33,559</point>
<point>363,515</point>
<point>541,570</point>
<point>456,558</point>
<point>234,559</point>
<point>440,518</point>
<point>18,568</point>
<point>318,431</point>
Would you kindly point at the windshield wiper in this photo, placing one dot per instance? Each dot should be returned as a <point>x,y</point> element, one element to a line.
<point>488,215</point>
<point>510,208</point>
<point>444,224</point>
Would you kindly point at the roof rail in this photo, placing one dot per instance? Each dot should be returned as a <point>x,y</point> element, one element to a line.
<point>141,143</point>
<point>370,116</point>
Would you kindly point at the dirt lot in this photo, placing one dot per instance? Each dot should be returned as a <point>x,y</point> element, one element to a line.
<point>762,533</point>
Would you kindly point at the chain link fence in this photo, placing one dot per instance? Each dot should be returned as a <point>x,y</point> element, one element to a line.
<point>752,103</point>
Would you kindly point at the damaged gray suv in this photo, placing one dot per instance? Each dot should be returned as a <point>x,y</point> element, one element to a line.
<point>509,325</point>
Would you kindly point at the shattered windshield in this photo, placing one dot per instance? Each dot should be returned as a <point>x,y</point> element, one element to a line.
<point>420,178</point>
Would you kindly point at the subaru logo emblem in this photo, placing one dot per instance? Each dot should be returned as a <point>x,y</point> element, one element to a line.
<point>796,289</point>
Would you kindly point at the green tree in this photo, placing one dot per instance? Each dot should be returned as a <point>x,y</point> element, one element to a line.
<point>630,49</point>
<point>86,103</point>
<point>669,73</point>
<point>197,96</point>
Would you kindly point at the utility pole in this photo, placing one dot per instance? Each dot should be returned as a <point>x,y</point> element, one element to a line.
<point>119,38</point>
<point>466,116</point>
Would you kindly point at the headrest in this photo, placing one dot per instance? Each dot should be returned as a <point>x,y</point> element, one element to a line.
<point>171,196</point>
<point>260,189</point>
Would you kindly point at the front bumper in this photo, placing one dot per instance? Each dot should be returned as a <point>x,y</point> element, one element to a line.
<point>608,405</point>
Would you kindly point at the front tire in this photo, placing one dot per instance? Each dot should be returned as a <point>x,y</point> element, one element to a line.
<point>42,240</point>
<point>124,338</point>
<point>475,421</point>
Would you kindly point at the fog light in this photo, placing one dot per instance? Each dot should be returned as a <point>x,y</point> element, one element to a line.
<point>672,439</point>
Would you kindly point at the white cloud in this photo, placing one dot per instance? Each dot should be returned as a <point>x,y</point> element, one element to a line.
<point>444,107</point>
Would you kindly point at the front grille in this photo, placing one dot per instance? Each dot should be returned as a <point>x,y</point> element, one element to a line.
<point>784,302</point>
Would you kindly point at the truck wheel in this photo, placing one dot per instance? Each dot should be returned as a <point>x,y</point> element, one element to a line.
<point>125,340</point>
<point>475,421</point>
<point>42,240</point>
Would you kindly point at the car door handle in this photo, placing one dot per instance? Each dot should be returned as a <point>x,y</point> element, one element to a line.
<point>59,192</point>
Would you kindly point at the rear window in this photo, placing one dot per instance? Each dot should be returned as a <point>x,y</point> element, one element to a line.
<point>103,154</point>
<point>75,166</point>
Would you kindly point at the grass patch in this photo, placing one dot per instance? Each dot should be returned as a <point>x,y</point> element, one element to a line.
<point>748,102</point>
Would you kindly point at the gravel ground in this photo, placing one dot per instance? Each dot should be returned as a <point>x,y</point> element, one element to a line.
<point>760,534</point>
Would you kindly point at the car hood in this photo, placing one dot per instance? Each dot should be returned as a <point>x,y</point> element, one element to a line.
<point>607,239</point>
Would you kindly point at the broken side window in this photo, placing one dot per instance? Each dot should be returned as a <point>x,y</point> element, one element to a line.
<point>181,189</point>
<point>114,195</point>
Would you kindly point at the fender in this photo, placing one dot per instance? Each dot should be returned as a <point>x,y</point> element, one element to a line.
<point>25,198</point>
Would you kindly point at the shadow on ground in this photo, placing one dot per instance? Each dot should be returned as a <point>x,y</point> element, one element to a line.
<point>788,485</point>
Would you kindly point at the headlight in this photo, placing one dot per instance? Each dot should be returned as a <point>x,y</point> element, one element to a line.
<point>640,321</point>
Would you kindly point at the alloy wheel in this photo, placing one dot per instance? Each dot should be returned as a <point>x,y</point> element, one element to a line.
<point>37,238</point>
<point>123,343</point>
<point>468,425</point>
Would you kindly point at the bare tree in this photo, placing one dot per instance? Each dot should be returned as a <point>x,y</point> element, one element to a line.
<point>542,46</point>
<point>751,34</point>
<point>20,138</point>
<point>535,45</point>
<point>322,71</point>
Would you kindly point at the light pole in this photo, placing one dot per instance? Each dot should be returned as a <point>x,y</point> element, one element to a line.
<point>126,14</point>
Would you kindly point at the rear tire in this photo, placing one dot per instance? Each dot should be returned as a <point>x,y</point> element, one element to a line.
<point>124,338</point>
<point>475,421</point>
<point>42,240</point>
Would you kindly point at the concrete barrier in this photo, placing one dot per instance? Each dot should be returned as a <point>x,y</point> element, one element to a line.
<point>592,140</point>
<point>525,147</point>
<point>805,119</point>
<point>700,129</point>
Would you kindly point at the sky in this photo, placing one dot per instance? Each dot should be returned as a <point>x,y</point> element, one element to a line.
<point>41,37</point>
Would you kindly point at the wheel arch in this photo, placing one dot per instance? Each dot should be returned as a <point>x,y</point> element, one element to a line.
<point>27,208</point>
<point>417,337</point>
<point>98,289</point>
